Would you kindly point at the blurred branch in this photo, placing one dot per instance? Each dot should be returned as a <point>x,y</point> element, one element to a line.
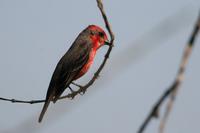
<point>180,75</point>
<point>171,92</point>
<point>81,89</point>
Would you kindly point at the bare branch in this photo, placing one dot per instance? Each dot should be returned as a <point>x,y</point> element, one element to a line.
<point>171,91</point>
<point>82,89</point>
<point>180,75</point>
<point>22,101</point>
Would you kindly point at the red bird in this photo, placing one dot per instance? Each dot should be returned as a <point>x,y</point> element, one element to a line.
<point>75,63</point>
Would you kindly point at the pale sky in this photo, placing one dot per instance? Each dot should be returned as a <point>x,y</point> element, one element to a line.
<point>150,38</point>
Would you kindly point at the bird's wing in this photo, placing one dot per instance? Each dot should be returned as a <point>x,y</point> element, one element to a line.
<point>68,68</point>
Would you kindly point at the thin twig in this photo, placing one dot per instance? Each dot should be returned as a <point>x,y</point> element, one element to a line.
<point>96,74</point>
<point>22,101</point>
<point>178,80</point>
<point>180,75</point>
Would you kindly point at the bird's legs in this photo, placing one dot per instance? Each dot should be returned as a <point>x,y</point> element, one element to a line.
<point>72,91</point>
<point>77,85</point>
<point>81,87</point>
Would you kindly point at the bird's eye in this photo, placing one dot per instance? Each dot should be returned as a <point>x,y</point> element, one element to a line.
<point>101,34</point>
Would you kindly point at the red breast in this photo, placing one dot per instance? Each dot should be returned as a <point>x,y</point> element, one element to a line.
<point>98,38</point>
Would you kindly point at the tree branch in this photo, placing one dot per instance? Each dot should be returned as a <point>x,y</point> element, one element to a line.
<point>180,75</point>
<point>172,90</point>
<point>82,89</point>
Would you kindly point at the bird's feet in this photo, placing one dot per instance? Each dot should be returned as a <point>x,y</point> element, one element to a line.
<point>80,86</point>
<point>73,93</point>
<point>82,91</point>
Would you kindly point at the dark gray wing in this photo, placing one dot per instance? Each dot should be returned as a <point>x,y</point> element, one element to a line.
<point>68,68</point>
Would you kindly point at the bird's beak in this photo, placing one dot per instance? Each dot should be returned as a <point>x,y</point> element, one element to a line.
<point>107,43</point>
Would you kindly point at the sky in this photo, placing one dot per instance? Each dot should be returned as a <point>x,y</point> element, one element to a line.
<point>150,39</point>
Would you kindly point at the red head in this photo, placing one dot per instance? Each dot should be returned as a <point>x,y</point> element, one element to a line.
<point>97,35</point>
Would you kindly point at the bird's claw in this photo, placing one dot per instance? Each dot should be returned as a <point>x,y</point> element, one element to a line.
<point>72,96</point>
<point>82,92</point>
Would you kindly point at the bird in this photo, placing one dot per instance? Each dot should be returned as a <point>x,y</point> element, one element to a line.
<point>74,63</point>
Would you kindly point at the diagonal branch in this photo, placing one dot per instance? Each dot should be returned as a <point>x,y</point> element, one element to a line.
<point>81,89</point>
<point>172,90</point>
<point>180,75</point>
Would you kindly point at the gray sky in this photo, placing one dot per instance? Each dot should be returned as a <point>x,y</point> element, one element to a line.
<point>150,38</point>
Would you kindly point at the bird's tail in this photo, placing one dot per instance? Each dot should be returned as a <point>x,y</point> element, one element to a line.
<point>44,109</point>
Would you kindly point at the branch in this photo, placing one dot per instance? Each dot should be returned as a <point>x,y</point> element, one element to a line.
<point>171,91</point>
<point>22,101</point>
<point>180,75</point>
<point>82,89</point>
<point>30,101</point>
